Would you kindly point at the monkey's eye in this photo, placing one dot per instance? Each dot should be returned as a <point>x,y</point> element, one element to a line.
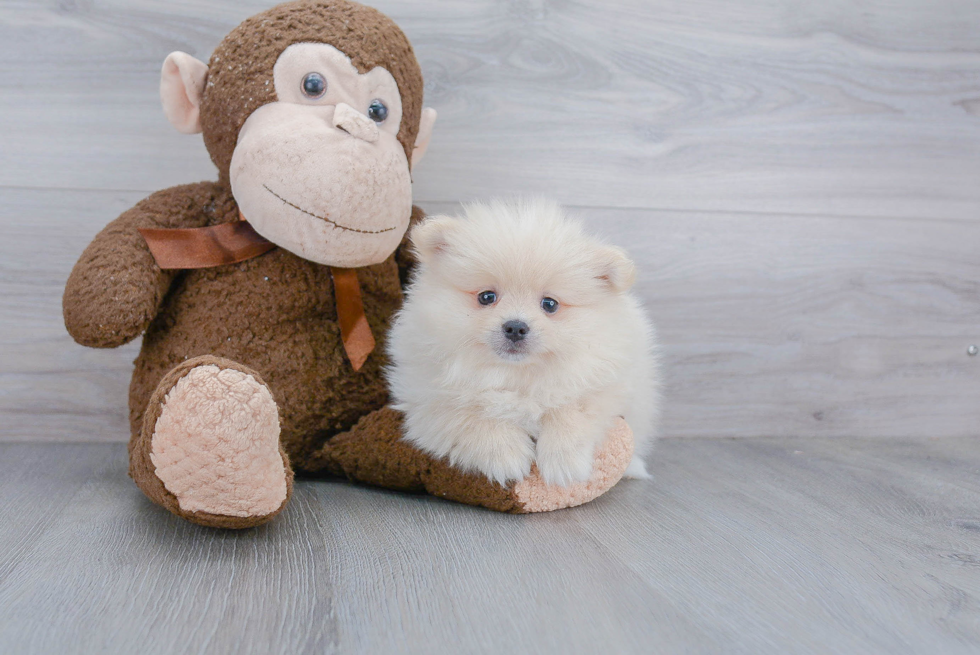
<point>314,85</point>
<point>486,297</point>
<point>377,111</point>
<point>549,305</point>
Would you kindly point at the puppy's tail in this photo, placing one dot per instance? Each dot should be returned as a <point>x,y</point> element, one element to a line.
<point>637,470</point>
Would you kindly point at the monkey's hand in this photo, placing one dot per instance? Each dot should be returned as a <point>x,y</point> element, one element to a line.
<point>116,287</point>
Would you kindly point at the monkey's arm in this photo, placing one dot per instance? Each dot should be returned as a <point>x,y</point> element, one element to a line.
<point>116,287</point>
<point>403,254</point>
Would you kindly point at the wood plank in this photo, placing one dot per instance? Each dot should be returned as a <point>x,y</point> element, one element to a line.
<point>775,326</point>
<point>742,546</point>
<point>36,484</point>
<point>784,106</point>
<point>811,542</point>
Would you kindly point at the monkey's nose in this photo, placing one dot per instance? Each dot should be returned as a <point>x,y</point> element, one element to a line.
<point>355,123</point>
<point>515,330</point>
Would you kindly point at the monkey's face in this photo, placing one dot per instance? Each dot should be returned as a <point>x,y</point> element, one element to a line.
<point>320,171</point>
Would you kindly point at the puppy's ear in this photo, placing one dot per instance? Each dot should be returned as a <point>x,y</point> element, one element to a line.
<point>430,238</point>
<point>614,268</point>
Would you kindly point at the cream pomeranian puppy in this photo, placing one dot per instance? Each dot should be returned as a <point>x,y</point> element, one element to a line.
<point>519,342</point>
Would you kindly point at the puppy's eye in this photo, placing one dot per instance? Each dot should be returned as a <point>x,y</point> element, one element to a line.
<point>486,297</point>
<point>549,305</point>
<point>377,111</point>
<point>314,85</point>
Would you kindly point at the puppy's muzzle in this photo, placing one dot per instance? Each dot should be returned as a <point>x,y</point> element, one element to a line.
<point>515,330</point>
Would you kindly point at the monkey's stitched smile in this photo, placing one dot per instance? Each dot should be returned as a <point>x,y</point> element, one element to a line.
<point>324,218</point>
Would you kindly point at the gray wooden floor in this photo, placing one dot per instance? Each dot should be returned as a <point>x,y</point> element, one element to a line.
<point>737,546</point>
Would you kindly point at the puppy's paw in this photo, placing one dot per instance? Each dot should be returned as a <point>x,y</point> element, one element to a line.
<point>562,463</point>
<point>503,454</point>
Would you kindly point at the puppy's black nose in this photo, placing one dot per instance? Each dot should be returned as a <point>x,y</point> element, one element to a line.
<point>515,330</point>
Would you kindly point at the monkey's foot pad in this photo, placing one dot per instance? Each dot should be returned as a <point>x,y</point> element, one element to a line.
<point>612,458</point>
<point>215,447</point>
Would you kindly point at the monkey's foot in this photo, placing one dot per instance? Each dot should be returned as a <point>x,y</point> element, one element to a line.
<point>611,460</point>
<point>374,452</point>
<point>209,448</point>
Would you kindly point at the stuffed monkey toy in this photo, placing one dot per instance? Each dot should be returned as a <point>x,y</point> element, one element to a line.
<point>263,298</point>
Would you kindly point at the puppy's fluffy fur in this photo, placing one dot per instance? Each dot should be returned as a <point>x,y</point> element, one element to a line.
<point>494,403</point>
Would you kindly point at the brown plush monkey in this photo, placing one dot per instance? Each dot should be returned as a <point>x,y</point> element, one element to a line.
<point>263,298</point>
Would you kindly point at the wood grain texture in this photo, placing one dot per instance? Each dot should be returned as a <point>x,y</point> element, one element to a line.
<point>774,326</point>
<point>775,106</point>
<point>737,546</point>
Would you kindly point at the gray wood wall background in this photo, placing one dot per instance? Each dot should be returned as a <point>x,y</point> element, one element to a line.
<point>799,182</point>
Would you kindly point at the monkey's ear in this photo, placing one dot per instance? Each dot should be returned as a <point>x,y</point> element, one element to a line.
<point>181,89</point>
<point>614,268</point>
<point>431,237</point>
<point>426,122</point>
